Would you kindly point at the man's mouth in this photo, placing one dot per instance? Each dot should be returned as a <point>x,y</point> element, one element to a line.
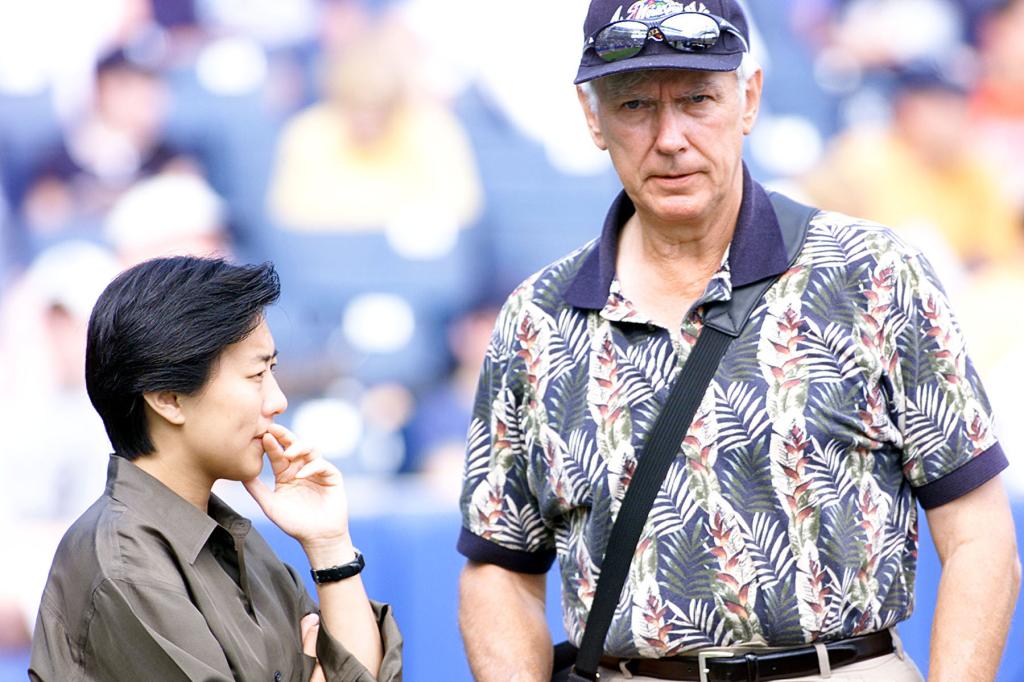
<point>669,177</point>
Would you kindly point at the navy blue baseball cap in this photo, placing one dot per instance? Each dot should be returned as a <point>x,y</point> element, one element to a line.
<point>725,55</point>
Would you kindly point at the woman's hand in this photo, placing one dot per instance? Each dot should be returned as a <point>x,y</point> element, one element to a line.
<point>309,627</point>
<point>308,501</point>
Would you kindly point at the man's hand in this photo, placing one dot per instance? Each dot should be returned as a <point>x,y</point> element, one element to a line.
<point>501,615</point>
<point>308,501</point>
<point>977,546</point>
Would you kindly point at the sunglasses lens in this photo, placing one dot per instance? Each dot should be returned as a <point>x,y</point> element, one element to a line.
<point>622,40</point>
<point>691,32</point>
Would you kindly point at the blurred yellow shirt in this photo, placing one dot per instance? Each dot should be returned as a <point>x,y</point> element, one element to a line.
<point>422,165</point>
<point>874,175</point>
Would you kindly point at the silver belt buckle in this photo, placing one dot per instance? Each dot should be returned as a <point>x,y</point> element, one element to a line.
<point>702,662</point>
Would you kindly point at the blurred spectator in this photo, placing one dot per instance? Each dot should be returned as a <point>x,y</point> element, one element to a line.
<point>997,345</point>
<point>168,214</point>
<point>997,107</point>
<point>857,43</point>
<point>375,154</point>
<point>524,84</point>
<point>271,22</point>
<point>884,33</point>
<point>55,448</point>
<point>54,439</point>
<point>51,45</point>
<point>921,174</point>
<point>373,195</point>
<point>436,435</point>
<point>116,142</point>
<point>968,13</point>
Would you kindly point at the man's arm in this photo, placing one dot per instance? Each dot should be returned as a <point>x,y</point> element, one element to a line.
<point>501,615</point>
<point>981,572</point>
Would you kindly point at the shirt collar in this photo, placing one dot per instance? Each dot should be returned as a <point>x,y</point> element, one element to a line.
<point>185,527</point>
<point>757,250</point>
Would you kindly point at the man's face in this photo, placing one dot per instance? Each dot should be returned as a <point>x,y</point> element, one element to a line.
<point>225,422</point>
<point>676,140</point>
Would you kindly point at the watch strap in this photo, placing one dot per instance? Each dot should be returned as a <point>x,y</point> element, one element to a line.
<point>336,573</point>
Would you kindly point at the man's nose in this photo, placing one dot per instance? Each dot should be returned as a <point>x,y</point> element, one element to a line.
<point>673,129</point>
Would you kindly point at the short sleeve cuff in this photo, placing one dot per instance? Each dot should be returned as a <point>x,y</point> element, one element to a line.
<point>958,483</point>
<point>484,551</point>
<point>339,664</point>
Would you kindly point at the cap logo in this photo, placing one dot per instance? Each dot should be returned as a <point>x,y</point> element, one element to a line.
<point>646,10</point>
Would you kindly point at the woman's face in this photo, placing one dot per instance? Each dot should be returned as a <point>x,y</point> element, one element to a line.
<point>225,422</point>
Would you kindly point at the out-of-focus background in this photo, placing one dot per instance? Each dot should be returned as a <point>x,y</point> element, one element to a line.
<point>405,163</point>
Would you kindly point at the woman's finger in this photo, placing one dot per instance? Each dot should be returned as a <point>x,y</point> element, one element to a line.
<point>320,469</point>
<point>309,627</point>
<point>298,449</point>
<point>275,453</point>
<point>282,434</point>
<point>260,492</point>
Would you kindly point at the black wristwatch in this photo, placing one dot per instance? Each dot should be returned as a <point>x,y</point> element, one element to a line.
<point>336,573</point>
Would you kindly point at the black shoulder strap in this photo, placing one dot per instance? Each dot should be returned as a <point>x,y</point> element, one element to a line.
<point>794,219</point>
<point>721,325</point>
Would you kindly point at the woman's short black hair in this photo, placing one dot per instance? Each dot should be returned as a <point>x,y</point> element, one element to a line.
<point>160,326</point>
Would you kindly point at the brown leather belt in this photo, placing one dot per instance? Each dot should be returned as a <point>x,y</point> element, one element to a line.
<point>755,667</point>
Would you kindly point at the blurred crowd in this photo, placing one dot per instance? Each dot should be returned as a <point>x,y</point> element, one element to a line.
<point>405,163</point>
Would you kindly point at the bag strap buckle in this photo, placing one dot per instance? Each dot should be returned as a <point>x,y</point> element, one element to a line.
<point>576,676</point>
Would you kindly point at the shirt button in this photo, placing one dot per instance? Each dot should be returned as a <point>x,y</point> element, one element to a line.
<point>278,676</point>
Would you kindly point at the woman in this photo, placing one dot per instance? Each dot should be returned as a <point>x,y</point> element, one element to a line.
<point>159,579</point>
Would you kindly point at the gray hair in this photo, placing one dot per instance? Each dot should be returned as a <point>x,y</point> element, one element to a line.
<point>618,83</point>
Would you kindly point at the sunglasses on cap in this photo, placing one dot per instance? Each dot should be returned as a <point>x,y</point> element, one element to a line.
<point>686,32</point>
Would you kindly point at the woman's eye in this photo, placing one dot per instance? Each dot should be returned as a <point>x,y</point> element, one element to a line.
<point>271,369</point>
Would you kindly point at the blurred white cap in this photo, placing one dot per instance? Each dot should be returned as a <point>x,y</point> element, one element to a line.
<point>72,274</point>
<point>164,211</point>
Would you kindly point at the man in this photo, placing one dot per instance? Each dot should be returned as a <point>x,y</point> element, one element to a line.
<point>159,579</point>
<point>788,518</point>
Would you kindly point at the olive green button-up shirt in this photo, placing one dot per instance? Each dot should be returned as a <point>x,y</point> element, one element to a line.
<point>145,586</point>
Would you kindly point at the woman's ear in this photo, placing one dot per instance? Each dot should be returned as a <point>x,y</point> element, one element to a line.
<point>167,405</point>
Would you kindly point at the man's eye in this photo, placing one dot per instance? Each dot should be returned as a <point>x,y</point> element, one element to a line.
<point>633,105</point>
<point>699,99</point>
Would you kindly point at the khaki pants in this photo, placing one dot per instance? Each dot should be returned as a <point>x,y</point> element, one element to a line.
<point>896,667</point>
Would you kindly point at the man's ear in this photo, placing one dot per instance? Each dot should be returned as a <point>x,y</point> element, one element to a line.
<point>754,86</point>
<point>167,405</point>
<point>593,123</point>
